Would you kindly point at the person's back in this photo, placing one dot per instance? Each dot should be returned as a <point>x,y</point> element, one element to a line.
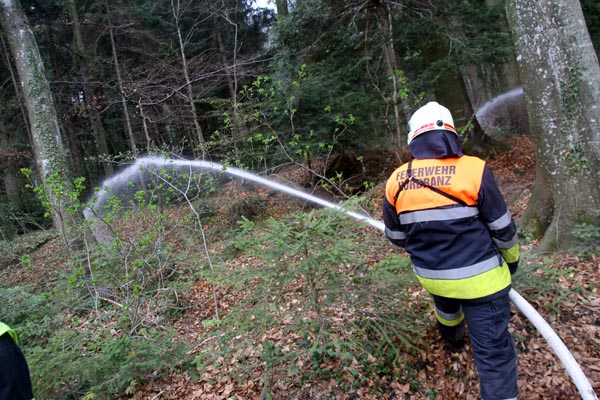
<point>444,233</point>
<point>446,210</point>
<point>15,382</point>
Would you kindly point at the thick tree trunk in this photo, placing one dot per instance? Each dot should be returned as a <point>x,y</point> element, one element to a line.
<point>43,119</point>
<point>561,80</point>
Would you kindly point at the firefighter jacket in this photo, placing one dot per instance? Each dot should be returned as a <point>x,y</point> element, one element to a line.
<point>6,329</point>
<point>459,241</point>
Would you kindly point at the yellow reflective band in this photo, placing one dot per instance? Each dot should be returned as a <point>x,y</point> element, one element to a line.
<point>469,288</point>
<point>511,255</point>
<point>6,329</point>
<point>448,322</point>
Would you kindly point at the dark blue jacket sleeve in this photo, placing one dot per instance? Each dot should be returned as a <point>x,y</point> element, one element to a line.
<point>498,219</point>
<point>393,229</point>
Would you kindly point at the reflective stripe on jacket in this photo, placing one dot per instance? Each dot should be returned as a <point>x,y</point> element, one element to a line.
<point>6,329</point>
<point>456,249</point>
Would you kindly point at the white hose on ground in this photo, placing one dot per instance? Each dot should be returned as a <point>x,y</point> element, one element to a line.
<point>557,345</point>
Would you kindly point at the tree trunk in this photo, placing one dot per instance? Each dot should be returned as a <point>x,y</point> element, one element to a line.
<point>561,81</point>
<point>132,142</point>
<point>232,81</point>
<point>43,119</point>
<point>145,126</point>
<point>94,115</point>
<point>399,103</point>
<point>10,170</point>
<point>167,118</point>
<point>188,82</point>
<point>282,7</point>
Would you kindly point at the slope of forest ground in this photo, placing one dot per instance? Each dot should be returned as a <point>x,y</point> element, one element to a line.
<point>562,287</point>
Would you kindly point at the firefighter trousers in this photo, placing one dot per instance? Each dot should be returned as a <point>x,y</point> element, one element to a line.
<point>493,347</point>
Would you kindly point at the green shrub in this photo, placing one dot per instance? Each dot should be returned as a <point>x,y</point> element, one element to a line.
<point>588,235</point>
<point>102,325</point>
<point>95,364</point>
<point>312,308</point>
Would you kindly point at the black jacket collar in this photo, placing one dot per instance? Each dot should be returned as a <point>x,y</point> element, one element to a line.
<point>436,144</point>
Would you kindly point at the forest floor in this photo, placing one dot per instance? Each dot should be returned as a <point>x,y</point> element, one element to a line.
<point>574,313</point>
<point>450,375</point>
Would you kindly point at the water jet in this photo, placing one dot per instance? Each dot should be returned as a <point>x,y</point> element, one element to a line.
<point>504,114</point>
<point>95,210</point>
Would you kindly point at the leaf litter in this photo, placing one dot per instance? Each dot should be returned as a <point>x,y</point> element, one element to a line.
<point>431,373</point>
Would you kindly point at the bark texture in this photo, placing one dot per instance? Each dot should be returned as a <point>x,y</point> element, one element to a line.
<point>561,80</point>
<point>94,115</point>
<point>45,128</point>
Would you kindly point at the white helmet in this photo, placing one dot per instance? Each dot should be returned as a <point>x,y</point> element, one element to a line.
<point>430,117</point>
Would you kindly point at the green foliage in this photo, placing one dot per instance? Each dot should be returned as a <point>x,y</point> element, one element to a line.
<point>341,72</point>
<point>77,346</point>
<point>588,236</point>
<point>29,312</point>
<point>577,160</point>
<point>79,362</point>
<point>100,325</point>
<point>141,264</point>
<point>486,34</point>
<point>18,248</point>
<point>299,118</point>
<point>311,308</point>
<point>15,221</point>
<point>59,196</point>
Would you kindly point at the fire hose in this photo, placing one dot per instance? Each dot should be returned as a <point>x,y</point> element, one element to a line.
<point>554,341</point>
<point>556,344</point>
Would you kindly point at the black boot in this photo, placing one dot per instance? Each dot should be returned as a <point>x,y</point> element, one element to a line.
<point>454,336</point>
<point>456,346</point>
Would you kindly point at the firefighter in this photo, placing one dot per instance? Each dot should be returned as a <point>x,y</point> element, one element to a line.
<point>15,382</point>
<point>445,209</point>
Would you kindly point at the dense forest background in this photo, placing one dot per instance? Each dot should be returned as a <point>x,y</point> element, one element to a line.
<point>224,81</point>
<point>320,90</point>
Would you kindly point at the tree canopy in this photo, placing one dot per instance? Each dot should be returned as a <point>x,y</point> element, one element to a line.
<point>321,83</point>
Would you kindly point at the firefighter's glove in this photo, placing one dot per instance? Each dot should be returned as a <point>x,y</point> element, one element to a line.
<point>513,266</point>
